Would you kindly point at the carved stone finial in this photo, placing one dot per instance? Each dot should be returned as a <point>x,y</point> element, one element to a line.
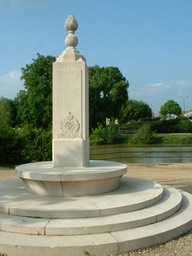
<point>71,26</point>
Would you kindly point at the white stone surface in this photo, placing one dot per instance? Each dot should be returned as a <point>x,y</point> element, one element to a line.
<point>99,177</point>
<point>70,104</point>
<point>125,199</point>
<point>12,193</point>
<point>22,245</point>
<point>15,224</point>
<point>47,172</point>
<point>165,207</point>
<point>101,244</point>
<point>159,232</point>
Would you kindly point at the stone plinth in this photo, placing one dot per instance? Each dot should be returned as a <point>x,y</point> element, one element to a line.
<point>44,179</point>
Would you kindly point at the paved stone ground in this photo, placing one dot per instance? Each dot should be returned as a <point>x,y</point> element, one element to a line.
<point>174,175</point>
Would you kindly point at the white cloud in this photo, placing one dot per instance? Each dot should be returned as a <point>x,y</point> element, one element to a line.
<point>150,90</point>
<point>182,83</point>
<point>10,84</point>
<point>157,87</point>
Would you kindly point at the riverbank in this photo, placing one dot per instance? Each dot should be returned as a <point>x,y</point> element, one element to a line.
<point>174,175</point>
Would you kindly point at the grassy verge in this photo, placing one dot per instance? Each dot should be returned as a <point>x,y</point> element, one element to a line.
<point>173,139</point>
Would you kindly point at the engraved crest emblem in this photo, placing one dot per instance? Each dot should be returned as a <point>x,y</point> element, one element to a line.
<point>69,127</point>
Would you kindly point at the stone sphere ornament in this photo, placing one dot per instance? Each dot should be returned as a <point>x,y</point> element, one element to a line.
<point>71,40</point>
<point>71,26</point>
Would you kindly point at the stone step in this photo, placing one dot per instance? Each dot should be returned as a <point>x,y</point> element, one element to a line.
<point>168,205</point>
<point>160,232</point>
<point>104,244</point>
<point>133,194</point>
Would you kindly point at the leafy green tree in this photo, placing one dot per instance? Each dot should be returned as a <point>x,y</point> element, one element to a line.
<point>34,103</point>
<point>7,115</point>
<point>135,110</point>
<point>170,107</point>
<point>107,94</point>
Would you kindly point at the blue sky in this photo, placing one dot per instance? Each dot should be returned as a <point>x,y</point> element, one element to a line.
<point>150,41</point>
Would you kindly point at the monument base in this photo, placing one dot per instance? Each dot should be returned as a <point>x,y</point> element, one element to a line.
<point>99,177</point>
<point>65,150</point>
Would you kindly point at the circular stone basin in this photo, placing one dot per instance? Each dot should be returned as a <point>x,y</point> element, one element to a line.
<point>44,179</point>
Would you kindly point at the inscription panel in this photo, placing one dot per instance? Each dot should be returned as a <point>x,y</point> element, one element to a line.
<point>67,93</point>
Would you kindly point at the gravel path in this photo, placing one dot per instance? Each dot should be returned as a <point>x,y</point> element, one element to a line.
<point>175,175</point>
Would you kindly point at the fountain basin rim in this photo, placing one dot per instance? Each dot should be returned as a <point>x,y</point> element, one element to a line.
<point>99,177</point>
<point>45,171</point>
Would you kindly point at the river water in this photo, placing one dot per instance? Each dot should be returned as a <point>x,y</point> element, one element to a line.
<point>143,153</point>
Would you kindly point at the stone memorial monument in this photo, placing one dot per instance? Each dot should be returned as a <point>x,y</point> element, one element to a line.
<point>76,206</point>
<point>71,173</point>
<point>70,104</point>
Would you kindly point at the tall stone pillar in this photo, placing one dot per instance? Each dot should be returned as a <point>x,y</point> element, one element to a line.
<point>70,104</point>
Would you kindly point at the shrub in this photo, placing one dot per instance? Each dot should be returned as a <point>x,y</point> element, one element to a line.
<point>105,135</point>
<point>143,136</point>
<point>183,124</point>
<point>180,124</point>
<point>12,143</point>
<point>38,144</point>
<point>24,145</point>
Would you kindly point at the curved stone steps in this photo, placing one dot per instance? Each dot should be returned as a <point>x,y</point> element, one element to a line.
<point>166,206</point>
<point>133,194</point>
<point>159,232</point>
<point>103,244</point>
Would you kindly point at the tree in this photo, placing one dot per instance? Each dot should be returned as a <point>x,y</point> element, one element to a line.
<point>34,103</point>
<point>170,107</point>
<point>6,112</point>
<point>135,110</point>
<point>11,140</point>
<point>107,94</point>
